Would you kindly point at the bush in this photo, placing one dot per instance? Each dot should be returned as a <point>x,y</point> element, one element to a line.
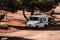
<point>2,25</point>
<point>1,16</point>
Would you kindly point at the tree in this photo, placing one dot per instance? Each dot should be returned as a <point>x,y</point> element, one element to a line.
<point>24,4</point>
<point>2,5</point>
<point>47,5</point>
<point>14,5</point>
<point>29,6</point>
<point>9,6</point>
<point>43,6</point>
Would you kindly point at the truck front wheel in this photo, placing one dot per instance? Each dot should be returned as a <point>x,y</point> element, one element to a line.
<point>44,26</point>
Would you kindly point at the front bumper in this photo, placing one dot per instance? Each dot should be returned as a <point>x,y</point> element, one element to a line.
<point>30,25</point>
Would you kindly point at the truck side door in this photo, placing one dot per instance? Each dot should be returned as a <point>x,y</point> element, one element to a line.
<point>44,20</point>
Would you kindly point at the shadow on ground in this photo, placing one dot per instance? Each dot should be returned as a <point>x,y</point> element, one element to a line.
<point>50,27</point>
<point>13,38</point>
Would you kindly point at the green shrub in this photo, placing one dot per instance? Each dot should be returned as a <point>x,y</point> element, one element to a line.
<point>3,26</point>
<point>1,16</point>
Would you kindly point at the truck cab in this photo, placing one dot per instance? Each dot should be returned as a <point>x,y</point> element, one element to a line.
<point>38,20</point>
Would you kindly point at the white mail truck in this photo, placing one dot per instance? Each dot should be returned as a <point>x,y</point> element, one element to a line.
<point>38,20</point>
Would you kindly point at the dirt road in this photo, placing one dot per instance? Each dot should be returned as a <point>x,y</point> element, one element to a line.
<point>36,34</point>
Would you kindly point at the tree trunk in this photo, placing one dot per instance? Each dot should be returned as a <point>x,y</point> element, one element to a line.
<point>52,13</point>
<point>6,16</point>
<point>24,14</point>
<point>32,11</point>
<point>6,19</point>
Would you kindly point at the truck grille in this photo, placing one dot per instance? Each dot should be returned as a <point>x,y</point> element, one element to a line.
<point>29,24</point>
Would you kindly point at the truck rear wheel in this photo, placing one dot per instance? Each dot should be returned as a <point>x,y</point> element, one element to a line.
<point>45,26</point>
<point>41,27</point>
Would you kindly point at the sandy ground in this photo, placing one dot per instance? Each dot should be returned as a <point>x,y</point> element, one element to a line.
<point>17,19</point>
<point>35,34</point>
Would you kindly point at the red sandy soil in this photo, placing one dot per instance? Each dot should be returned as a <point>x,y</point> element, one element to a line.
<point>9,30</point>
<point>15,19</point>
<point>38,34</point>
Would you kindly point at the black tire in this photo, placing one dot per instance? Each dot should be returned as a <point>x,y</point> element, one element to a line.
<point>45,26</point>
<point>37,27</point>
<point>41,27</point>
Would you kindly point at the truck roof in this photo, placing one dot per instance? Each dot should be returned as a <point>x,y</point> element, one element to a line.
<point>39,15</point>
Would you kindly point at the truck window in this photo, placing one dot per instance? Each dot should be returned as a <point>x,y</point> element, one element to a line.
<point>34,18</point>
<point>44,18</point>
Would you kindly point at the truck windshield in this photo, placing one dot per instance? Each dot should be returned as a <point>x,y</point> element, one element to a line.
<point>34,18</point>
